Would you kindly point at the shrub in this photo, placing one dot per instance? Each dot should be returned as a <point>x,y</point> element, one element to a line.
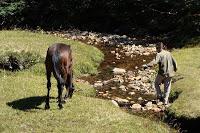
<point>19,60</point>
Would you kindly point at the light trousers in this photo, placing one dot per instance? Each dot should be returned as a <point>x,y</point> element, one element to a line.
<point>167,87</point>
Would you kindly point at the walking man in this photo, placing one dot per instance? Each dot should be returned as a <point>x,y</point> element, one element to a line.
<point>167,68</point>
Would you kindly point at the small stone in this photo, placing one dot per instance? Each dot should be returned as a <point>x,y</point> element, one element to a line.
<point>149,105</point>
<point>120,100</point>
<point>133,86</point>
<point>156,109</point>
<point>127,53</point>
<point>119,71</point>
<point>98,84</point>
<point>138,78</point>
<point>144,109</point>
<point>132,102</point>
<point>105,95</point>
<point>145,66</point>
<point>113,88</point>
<point>115,103</point>
<point>122,87</point>
<point>106,82</point>
<point>140,98</point>
<point>112,52</point>
<point>145,79</point>
<point>136,106</point>
<point>131,93</point>
<point>160,103</point>
<point>146,53</point>
<point>129,98</point>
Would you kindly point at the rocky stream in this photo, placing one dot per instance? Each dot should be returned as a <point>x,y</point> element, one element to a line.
<point>124,78</point>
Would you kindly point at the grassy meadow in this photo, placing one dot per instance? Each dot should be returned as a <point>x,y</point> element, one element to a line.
<point>23,94</point>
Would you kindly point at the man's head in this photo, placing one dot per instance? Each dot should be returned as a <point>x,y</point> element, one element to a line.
<point>159,47</point>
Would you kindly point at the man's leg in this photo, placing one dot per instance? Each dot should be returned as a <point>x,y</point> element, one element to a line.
<point>158,82</point>
<point>167,88</point>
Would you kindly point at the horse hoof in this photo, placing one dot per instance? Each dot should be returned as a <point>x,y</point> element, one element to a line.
<point>47,107</point>
<point>63,101</point>
<point>60,106</point>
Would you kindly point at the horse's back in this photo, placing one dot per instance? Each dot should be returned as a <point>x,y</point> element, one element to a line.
<point>59,57</point>
<point>58,48</point>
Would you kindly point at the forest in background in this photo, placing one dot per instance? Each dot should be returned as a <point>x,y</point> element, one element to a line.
<point>173,20</point>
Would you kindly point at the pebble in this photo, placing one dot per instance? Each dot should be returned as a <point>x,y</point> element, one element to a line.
<point>136,106</point>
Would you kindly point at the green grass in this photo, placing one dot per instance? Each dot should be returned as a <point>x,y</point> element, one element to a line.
<point>86,59</point>
<point>187,104</point>
<point>22,95</point>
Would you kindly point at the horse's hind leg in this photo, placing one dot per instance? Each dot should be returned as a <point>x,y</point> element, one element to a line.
<point>60,90</point>
<point>67,91</point>
<point>48,74</point>
<point>70,85</point>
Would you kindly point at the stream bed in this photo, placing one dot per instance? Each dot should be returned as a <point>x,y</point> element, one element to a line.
<point>124,77</point>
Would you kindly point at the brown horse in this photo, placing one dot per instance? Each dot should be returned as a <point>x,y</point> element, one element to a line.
<point>59,61</point>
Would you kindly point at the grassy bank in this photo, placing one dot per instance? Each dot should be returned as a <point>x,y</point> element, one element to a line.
<point>22,95</point>
<point>86,59</point>
<point>187,104</point>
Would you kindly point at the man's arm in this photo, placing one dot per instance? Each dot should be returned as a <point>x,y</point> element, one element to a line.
<point>174,64</point>
<point>154,61</point>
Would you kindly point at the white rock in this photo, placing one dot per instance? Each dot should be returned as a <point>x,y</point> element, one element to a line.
<point>136,106</point>
<point>146,53</point>
<point>160,103</point>
<point>140,98</point>
<point>138,78</point>
<point>119,71</point>
<point>115,103</point>
<point>133,86</point>
<point>131,93</point>
<point>120,100</point>
<point>122,87</point>
<point>156,109</point>
<point>127,53</point>
<point>113,88</point>
<point>113,52</point>
<point>98,84</point>
<point>149,105</point>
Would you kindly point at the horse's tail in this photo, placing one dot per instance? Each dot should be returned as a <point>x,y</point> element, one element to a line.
<point>56,62</point>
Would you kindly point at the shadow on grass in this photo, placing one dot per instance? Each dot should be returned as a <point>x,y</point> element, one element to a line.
<point>183,124</point>
<point>29,103</point>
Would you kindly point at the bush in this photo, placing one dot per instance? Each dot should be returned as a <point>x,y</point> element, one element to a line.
<point>19,60</point>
